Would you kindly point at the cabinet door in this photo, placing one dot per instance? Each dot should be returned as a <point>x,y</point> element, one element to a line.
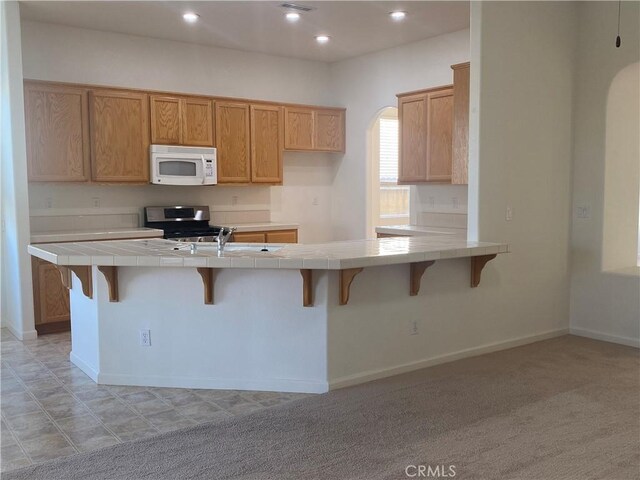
<point>298,128</point>
<point>57,133</point>
<point>233,142</point>
<point>329,130</point>
<point>460,154</point>
<point>51,298</point>
<point>282,236</point>
<point>197,122</point>
<point>439,135</point>
<point>266,144</point>
<point>249,237</point>
<point>119,136</point>
<point>412,159</point>
<point>165,120</point>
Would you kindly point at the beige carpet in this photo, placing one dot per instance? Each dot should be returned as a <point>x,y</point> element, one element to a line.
<point>567,408</point>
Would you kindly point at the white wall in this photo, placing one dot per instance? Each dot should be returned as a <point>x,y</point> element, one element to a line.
<point>367,84</point>
<point>522,157</point>
<point>16,306</point>
<point>604,304</point>
<point>521,143</point>
<point>60,53</point>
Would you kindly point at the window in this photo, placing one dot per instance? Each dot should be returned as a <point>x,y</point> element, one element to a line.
<point>394,198</point>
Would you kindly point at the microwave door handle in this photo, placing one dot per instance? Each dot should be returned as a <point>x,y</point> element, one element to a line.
<point>204,169</point>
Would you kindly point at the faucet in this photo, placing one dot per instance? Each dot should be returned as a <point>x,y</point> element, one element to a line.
<point>223,237</point>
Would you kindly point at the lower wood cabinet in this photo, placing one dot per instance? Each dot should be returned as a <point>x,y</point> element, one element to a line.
<point>50,298</point>
<point>271,236</point>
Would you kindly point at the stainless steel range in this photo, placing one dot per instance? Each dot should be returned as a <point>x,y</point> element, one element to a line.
<point>182,223</point>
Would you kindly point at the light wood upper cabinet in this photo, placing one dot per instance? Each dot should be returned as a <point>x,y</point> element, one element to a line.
<point>266,143</point>
<point>426,123</point>
<point>329,130</point>
<point>166,126</point>
<point>459,173</point>
<point>314,129</point>
<point>233,142</point>
<point>439,135</point>
<point>57,133</point>
<point>412,161</point>
<point>197,122</point>
<point>119,136</point>
<point>298,128</point>
<point>181,121</point>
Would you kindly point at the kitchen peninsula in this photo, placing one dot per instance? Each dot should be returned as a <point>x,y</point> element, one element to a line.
<point>282,319</point>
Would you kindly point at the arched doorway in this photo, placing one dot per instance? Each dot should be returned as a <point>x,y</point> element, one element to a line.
<point>621,235</point>
<point>388,201</point>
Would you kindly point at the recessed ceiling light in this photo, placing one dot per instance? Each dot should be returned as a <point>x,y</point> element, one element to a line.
<point>398,15</point>
<point>191,17</point>
<point>293,16</point>
<point>322,38</point>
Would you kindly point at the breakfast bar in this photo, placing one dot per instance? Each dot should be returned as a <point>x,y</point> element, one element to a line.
<point>261,317</point>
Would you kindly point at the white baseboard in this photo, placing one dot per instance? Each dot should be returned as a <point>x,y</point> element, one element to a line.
<point>27,335</point>
<point>272,385</point>
<point>583,332</point>
<point>370,375</point>
<point>85,367</point>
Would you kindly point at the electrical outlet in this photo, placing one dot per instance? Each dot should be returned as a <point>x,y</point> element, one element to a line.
<point>413,326</point>
<point>315,201</point>
<point>431,202</point>
<point>583,211</point>
<point>234,200</point>
<point>509,214</point>
<point>145,338</point>
<point>96,202</point>
<point>49,202</point>
<point>455,203</point>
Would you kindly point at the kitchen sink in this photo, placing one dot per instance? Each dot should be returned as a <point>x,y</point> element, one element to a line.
<point>230,247</point>
<point>250,248</point>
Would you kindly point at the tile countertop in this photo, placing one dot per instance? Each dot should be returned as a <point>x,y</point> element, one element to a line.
<point>418,230</point>
<point>95,234</point>
<point>327,256</point>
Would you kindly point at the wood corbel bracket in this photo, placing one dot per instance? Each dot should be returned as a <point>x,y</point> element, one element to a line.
<point>416,271</point>
<point>346,277</point>
<point>208,278</point>
<point>83,272</point>
<point>111,276</point>
<point>307,287</point>
<point>477,264</point>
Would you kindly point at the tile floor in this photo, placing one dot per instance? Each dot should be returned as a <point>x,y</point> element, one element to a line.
<point>51,409</point>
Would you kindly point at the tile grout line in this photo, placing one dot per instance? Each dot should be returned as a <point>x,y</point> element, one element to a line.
<point>15,437</point>
<point>66,437</point>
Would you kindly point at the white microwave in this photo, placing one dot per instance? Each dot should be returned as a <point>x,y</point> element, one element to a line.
<point>177,165</point>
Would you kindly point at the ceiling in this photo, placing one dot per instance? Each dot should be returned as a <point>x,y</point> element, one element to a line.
<point>356,28</point>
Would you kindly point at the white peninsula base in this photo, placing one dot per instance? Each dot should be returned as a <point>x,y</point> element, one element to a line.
<point>299,318</point>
